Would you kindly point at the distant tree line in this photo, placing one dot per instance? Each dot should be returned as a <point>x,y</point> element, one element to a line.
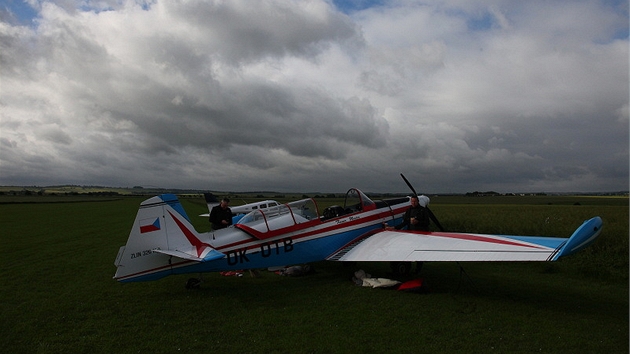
<point>493,194</point>
<point>28,192</point>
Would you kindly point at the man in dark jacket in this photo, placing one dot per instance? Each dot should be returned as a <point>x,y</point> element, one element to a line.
<point>418,216</point>
<point>221,215</point>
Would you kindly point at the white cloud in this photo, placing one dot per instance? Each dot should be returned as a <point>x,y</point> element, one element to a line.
<point>296,95</point>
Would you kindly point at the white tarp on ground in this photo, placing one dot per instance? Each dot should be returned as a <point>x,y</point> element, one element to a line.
<point>364,279</point>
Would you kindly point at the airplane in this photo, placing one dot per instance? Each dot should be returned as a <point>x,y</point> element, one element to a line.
<point>240,210</point>
<point>163,241</point>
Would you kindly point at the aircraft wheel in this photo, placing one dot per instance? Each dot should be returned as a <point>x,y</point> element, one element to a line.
<point>401,268</point>
<point>193,283</point>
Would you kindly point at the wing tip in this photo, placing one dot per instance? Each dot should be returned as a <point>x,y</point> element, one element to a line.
<point>582,237</point>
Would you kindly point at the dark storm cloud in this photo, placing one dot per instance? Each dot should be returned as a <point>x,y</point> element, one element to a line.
<point>296,95</point>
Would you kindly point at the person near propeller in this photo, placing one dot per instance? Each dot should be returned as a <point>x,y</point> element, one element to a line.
<point>418,216</point>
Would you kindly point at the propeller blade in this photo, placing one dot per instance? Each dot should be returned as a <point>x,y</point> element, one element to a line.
<point>409,184</point>
<point>437,223</point>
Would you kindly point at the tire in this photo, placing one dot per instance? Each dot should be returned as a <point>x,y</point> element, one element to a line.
<point>401,268</point>
<point>193,283</point>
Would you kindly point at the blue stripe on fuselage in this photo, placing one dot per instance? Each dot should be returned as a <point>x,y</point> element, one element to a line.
<point>278,253</point>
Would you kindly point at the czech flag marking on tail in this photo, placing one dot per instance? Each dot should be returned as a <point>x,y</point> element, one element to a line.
<point>149,225</point>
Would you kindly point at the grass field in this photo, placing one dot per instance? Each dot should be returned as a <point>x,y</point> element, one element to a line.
<point>57,293</point>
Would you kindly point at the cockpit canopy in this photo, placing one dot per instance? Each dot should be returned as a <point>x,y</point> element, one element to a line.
<point>285,215</point>
<point>357,201</point>
<point>303,211</point>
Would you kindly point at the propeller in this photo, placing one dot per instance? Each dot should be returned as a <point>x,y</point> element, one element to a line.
<point>437,223</point>
<point>409,184</point>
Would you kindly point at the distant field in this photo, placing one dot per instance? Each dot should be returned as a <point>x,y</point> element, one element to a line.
<point>57,294</point>
<point>52,191</point>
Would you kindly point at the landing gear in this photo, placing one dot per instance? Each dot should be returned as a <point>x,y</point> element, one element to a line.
<point>404,268</point>
<point>400,268</point>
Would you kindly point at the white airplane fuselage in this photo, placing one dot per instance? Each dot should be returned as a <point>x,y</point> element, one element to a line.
<point>293,234</point>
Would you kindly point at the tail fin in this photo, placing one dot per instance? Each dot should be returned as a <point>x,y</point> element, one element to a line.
<point>161,231</point>
<point>212,201</point>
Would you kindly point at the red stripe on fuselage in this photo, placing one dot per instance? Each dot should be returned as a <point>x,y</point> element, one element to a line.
<point>361,219</point>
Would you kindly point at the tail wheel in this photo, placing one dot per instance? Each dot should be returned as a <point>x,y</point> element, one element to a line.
<point>193,283</point>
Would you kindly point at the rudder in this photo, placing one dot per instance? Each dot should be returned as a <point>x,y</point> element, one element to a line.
<point>161,238</point>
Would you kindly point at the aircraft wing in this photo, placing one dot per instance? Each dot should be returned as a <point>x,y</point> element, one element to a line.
<point>450,246</point>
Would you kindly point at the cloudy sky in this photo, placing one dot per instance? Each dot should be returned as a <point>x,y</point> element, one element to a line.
<point>314,95</point>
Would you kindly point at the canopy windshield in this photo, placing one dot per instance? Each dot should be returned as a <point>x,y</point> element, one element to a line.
<point>357,201</point>
<point>286,215</point>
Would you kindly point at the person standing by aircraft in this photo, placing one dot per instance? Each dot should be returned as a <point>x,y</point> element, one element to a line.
<point>221,215</point>
<point>418,216</point>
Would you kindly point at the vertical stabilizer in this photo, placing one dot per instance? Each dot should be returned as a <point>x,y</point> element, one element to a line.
<point>161,238</point>
<point>211,200</point>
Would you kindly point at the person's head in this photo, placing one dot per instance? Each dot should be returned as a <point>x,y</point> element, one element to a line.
<point>225,202</point>
<point>414,201</point>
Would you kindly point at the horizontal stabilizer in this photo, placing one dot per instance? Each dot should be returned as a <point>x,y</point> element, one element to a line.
<point>210,256</point>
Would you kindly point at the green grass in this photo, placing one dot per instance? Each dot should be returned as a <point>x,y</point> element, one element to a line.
<point>57,293</point>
